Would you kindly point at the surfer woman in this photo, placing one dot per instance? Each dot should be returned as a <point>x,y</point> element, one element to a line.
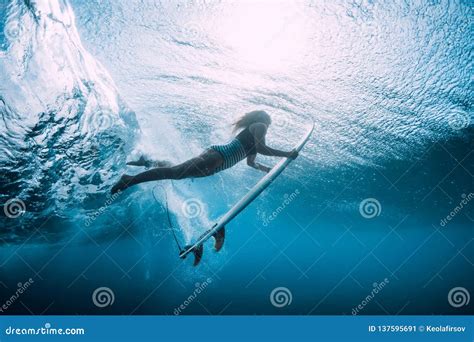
<point>246,144</point>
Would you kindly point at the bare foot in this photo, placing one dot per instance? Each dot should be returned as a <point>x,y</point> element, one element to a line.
<point>142,161</point>
<point>122,184</point>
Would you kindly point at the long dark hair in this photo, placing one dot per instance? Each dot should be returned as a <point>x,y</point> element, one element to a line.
<point>250,118</point>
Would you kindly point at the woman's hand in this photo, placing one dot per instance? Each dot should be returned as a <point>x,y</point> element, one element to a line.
<point>264,168</point>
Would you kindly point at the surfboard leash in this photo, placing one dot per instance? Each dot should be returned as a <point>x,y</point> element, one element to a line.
<point>168,216</point>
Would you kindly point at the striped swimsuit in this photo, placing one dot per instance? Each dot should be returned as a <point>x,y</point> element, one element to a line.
<point>239,148</point>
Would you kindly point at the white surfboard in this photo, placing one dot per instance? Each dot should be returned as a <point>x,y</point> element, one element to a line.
<point>217,230</point>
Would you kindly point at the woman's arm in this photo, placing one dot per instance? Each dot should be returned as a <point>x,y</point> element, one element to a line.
<point>259,131</point>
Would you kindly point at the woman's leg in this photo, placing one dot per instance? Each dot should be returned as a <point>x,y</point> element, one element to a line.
<point>201,166</point>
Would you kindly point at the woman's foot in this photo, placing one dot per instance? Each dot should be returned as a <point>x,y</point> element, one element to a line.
<point>142,161</point>
<point>122,184</point>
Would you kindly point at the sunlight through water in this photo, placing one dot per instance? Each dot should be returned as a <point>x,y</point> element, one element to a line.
<point>265,35</point>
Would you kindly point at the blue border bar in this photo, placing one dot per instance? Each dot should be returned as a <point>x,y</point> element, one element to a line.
<point>239,328</point>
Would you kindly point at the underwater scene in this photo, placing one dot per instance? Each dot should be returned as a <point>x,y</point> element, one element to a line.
<point>373,216</point>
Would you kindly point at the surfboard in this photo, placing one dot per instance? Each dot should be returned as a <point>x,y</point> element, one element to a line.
<point>218,229</point>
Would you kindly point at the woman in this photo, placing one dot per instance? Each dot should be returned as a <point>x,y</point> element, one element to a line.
<point>246,144</point>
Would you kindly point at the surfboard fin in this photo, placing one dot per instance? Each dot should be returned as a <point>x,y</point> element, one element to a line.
<point>197,252</point>
<point>219,238</point>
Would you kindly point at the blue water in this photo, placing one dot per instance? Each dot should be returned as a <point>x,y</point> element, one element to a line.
<point>87,86</point>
